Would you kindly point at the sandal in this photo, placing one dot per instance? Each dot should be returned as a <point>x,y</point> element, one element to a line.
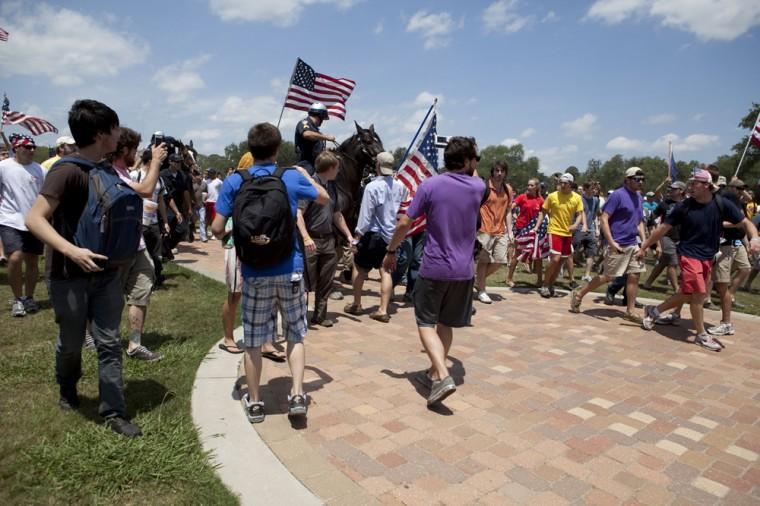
<point>381,317</point>
<point>273,356</point>
<point>230,349</point>
<point>352,309</point>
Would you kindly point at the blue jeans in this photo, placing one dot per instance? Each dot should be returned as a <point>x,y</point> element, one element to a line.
<point>98,298</point>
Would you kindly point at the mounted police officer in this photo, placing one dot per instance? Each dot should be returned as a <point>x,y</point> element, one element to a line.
<point>309,140</point>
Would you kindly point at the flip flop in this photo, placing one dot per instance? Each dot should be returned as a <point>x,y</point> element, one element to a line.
<point>273,356</point>
<point>352,309</point>
<point>381,317</point>
<point>230,349</point>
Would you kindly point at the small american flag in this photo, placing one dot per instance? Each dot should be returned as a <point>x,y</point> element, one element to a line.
<point>530,245</point>
<point>421,163</point>
<point>3,35</point>
<point>308,86</point>
<point>37,126</point>
<point>672,171</point>
<point>756,133</point>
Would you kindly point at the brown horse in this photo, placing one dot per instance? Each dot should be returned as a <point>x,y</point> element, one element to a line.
<point>357,164</point>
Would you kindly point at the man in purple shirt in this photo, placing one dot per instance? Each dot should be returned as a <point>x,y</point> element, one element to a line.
<point>443,291</point>
<point>623,228</point>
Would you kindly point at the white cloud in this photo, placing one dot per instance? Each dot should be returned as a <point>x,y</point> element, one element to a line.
<point>434,28</point>
<point>509,142</point>
<point>580,127</point>
<point>207,134</point>
<point>707,19</point>
<point>278,12</point>
<point>550,17</point>
<point>659,119</point>
<point>179,80</point>
<point>502,16</point>
<point>425,98</point>
<point>71,49</point>
<point>379,27</point>
<point>690,143</point>
<point>555,158</point>
<point>528,132</point>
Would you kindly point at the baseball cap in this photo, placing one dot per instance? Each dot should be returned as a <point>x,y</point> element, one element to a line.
<point>737,183</point>
<point>702,176</point>
<point>566,178</point>
<point>633,172</point>
<point>18,140</point>
<point>64,139</point>
<point>385,163</point>
<point>721,180</point>
<point>650,194</point>
<point>680,185</point>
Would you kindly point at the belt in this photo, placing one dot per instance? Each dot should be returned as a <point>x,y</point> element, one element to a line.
<point>321,236</point>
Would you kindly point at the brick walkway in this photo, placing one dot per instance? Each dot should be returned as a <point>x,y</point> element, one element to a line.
<point>551,408</point>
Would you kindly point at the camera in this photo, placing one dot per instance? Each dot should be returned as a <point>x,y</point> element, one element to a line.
<point>173,146</point>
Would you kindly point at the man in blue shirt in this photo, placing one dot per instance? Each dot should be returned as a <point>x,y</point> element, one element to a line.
<point>377,221</point>
<point>281,284</point>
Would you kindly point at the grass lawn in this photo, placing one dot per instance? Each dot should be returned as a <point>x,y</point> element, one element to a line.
<point>48,456</point>
<point>660,289</point>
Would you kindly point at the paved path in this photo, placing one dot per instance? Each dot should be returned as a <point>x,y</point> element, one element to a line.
<point>551,408</point>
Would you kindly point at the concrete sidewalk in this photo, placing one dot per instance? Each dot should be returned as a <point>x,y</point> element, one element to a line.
<point>551,408</point>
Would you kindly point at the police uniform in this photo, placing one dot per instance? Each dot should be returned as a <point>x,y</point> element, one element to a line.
<point>307,150</point>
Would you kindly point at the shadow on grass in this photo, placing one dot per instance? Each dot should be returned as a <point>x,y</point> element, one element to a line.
<point>456,371</point>
<point>155,340</point>
<point>141,395</point>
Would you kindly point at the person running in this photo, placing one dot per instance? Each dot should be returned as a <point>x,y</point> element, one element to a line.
<point>265,288</point>
<point>562,206</point>
<point>588,241</point>
<point>80,289</point>
<point>532,247</point>
<point>700,219</point>
<point>496,228</point>
<point>21,179</point>
<point>443,293</point>
<point>623,228</point>
<point>377,220</point>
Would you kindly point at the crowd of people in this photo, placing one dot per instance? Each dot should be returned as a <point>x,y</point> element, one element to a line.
<point>284,235</point>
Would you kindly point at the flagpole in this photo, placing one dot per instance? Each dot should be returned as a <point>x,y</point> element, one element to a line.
<point>417,134</point>
<point>286,92</point>
<point>749,139</point>
<point>670,157</point>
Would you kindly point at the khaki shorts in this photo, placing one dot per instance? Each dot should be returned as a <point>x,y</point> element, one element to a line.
<point>232,276</point>
<point>730,257</point>
<point>495,248</point>
<point>137,279</point>
<point>618,264</point>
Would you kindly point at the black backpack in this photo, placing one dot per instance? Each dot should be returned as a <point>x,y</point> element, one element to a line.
<point>262,222</point>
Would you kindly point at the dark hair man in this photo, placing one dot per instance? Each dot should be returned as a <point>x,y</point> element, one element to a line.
<point>700,219</point>
<point>79,288</point>
<point>20,182</point>
<point>443,293</point>
<point>177,183</point>
<point>588,241</point>
<point>281,284</point>
<point>317,228</point>
<point>309,141</point>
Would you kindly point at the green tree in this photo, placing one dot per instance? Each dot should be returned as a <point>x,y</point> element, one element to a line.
<point>520,168</point>
<point>749,171</point>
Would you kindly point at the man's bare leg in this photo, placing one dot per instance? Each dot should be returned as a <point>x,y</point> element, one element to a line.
<point>359,276</point>
<point>631,290</point>
<point>296,362</point>
<point>436,351</point>
<point>252,364</point>
<point>386,291</point>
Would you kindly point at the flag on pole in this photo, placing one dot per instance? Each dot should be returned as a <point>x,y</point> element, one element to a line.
<point>420,163</point>
<point>4,35</point>
<point>672,171</point>
<point>6,104</point>
<point>308,86</point>
<point>37,126</point>
<point>755,139</point>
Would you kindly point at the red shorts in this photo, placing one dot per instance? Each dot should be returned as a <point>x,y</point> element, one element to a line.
<point>210,211</point>
<point>694,274</point>
<point>560,245</point>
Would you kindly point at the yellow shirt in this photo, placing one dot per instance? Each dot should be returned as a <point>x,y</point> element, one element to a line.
<point>562,208</point>
<point>750,209</point>
<point>49,162</point>
<point>245,161</point>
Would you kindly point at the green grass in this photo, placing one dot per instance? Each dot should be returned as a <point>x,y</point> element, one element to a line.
<point>48,456</point>
<point>660,290</point>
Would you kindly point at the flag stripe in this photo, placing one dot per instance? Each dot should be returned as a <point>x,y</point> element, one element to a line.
<point>307,86</point>
<point>37,126</point>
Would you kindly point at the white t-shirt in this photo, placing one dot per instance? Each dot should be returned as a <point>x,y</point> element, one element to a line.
<point>19,187</point>
<point>150,206</point>
<point>213,189</point>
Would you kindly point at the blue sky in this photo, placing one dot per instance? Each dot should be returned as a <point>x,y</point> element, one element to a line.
<point>570,80</point>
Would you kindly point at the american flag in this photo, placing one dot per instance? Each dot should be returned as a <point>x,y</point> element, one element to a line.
<point>672,170</point>
<point>308,86</point>
<point>37,126</point>
<point>532,246</point>
<point>756,133</point>
<point>421,163</point>
<point>4,35</point>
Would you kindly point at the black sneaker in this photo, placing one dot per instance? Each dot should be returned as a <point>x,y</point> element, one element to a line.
<point>441,390</point>
<point>69,399</point>
<point>573,285</point>
<point>123,426</point>
<point>143,353</point>
<point>609,299</point>
<point>297,405</point>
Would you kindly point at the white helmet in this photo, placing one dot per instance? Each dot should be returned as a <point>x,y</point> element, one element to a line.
<point>319,110</point>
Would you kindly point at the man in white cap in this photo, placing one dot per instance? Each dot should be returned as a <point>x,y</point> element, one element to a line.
<point>623,228</point>
<point>377,221</point>
<point>565,210</point>
<point>64,146</point>
<point>700,219</point>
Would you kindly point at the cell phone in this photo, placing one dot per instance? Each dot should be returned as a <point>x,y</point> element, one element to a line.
<point>158,140</point>
<point>101,262</point>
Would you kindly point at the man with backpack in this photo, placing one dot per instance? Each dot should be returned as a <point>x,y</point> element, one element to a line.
<point>700,219</point>
<point>262,201</point>
<point>83,285</point>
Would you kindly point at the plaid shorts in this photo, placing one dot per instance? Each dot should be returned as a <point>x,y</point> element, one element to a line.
<point>261,296</point>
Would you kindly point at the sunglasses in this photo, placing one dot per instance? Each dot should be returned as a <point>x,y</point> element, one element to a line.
<point>477,158</point>
<point>639,179</point>
<point>27,146</point>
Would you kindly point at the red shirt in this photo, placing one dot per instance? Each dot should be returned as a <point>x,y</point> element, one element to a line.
<point>529,209</point>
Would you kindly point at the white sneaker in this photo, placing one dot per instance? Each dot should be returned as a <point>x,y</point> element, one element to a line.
<point>724,329</point>
<point>484,298</point>
<point>587,279</point>
<point>668,319</point>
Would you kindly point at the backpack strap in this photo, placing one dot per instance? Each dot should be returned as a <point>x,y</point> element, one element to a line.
<point>81,162</point>
<point>721,205</point>
<point>244,174</point>
<point>279,171</point>
<point>486,194</point>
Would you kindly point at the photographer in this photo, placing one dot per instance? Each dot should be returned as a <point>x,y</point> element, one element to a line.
<point>177,184</point>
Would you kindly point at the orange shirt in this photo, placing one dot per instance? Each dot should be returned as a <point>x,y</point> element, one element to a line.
<point>493,213</point>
